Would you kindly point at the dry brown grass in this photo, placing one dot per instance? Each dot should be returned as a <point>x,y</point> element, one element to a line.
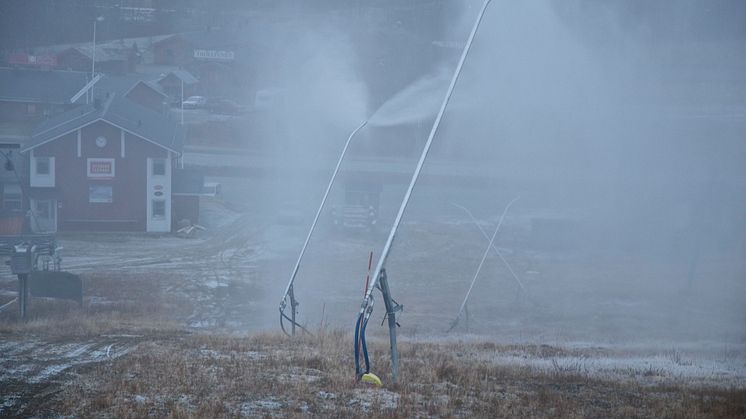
<point>206,375</point>
<point>112,304</point>
<point>171,372</point>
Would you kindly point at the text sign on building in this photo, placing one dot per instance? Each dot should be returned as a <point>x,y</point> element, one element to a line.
<point>100,194</point>
<point>211,54</point>
<point>34,60</point>
<point>101,168</point>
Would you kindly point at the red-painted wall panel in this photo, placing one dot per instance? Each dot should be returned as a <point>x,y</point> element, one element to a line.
<point>127,211</point>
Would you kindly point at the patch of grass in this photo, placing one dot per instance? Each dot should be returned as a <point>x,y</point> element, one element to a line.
<point>209,375</point>
<point>111,304</point>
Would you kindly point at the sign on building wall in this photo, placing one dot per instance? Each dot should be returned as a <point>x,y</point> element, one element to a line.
<point>33,60</point>
<point>100,194</point>
<point>101,168</point>
<point>211,54</point>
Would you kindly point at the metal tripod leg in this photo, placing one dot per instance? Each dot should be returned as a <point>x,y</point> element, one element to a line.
<point>23,294</point>
<point>293,310</point>
<point>391,308</point>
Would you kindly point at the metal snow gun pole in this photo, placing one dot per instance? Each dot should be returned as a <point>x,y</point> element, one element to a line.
<point>497,251</point>
<point>490,246</point>
<point>379,279</point>
<point>289,295</point>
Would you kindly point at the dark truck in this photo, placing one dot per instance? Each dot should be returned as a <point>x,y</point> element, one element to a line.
<point>359,211</point>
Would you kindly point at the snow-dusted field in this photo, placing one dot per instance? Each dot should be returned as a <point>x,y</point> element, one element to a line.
<point>604,317</point>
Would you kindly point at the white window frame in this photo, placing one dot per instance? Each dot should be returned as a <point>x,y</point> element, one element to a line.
<point>152,209</point>
<point>154,185</point>
<point>45,180</point>
<point>37,165</point>
<point>160,162</point>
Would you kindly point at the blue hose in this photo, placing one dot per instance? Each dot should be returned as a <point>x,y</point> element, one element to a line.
<point>365,346</point>
<point>357,346</point>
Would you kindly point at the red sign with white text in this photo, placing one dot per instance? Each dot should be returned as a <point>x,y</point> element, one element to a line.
<point>101,168</point>
<point>35,60</point>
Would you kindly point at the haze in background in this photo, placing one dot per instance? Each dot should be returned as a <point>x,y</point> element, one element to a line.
<point>315,97</point>
<point>621,130</point>
<point>625,141</point>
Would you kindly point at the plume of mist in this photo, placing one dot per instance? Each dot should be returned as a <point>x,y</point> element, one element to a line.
<point>317,97</point>
<point>621,134</point>
<point>320,93</point>
<point>417,102</point>
<point>601,125</point>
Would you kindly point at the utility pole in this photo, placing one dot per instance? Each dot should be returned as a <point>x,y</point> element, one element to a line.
<point>182,101</point>
<point>93,52</point>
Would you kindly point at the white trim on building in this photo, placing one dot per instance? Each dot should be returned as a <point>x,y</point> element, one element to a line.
<point>42,171</point>
<point>158,198</point>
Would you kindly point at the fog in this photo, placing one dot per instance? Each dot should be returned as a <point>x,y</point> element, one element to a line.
<point>620,129</point>
<point>555,201</point>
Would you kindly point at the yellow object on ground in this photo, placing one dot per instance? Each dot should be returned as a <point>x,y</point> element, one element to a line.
<point>371,378</point>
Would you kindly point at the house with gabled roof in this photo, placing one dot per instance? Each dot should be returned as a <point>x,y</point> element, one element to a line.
<point>109,60</point>
<point>28,94</point>
<point>139,88</point>
<point>104,166</point>
<point>179,84</point>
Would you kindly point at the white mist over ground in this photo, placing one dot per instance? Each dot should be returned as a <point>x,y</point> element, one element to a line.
<point>317,96</point>
<point>624,141</point>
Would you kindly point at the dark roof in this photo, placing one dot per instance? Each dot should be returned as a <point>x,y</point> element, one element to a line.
<point>121,85</point>
<point>182,75</point>
<point>16,132</point>
<point>103,53</point>
<point>221,39</point>
<point>208,39</point>
<point>116,110</point>
<point>41,86</point>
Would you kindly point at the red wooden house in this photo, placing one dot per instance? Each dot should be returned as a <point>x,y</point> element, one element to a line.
<point>105,166</point>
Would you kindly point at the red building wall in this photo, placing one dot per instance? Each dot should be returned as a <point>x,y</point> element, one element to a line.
<point>72,59</point>
<point>127,211</point>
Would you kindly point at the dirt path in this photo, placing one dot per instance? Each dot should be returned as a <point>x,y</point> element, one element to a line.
<point>34,370</point>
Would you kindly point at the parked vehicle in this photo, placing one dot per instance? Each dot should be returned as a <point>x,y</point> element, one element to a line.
<point>359,211</point>
<point>194,102</point>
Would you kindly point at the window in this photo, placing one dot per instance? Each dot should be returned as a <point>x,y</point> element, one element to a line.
<point>159,208</point>
<point>42,165</point>
<point>31,110</point>
<point>100,194</point>
<point>43,209</point>
<point>12,197</point>
<point>159,167</point>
